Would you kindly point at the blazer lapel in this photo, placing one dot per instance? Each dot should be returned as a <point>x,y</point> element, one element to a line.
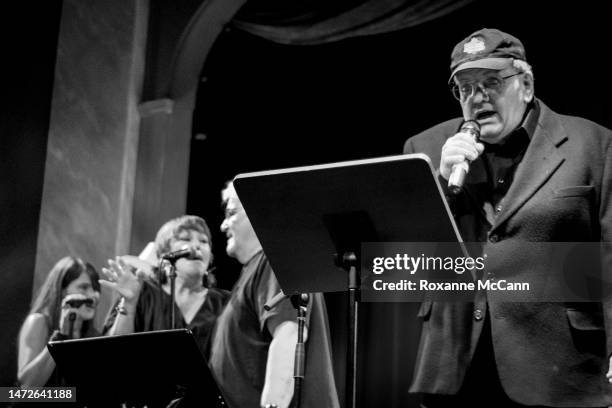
<point>541,160</point>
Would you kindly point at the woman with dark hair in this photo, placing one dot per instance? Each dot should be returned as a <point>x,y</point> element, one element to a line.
<point>146,301</point>
<point>63,309</point>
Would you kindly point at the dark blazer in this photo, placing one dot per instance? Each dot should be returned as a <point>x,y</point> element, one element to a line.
<point>553,354</point>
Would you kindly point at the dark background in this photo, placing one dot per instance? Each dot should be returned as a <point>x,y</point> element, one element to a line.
<point>265,106</point>
<point>28,41</point>
<point>262,106</point>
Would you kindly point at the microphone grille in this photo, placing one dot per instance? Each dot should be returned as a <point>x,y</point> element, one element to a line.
<point>471,126</point>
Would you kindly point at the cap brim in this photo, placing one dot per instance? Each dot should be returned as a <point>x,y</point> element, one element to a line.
<point>486,63</point>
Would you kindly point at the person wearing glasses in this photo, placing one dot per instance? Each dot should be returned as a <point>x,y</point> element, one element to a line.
<point>535,176</point>
<point>253,349</point>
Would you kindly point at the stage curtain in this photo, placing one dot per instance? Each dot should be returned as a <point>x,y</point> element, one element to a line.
<point>320,21</point>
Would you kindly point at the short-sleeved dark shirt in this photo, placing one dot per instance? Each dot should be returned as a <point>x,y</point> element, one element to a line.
<point>240,345</point>
<point>243,335</point>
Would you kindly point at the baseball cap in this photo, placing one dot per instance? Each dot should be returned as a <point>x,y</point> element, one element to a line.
<point>486,48</point>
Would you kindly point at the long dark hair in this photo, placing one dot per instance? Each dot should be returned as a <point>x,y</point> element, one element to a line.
<point>48,301</point>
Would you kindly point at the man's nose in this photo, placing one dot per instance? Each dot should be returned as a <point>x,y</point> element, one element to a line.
<point>223,227</point>
<point>479,94</point>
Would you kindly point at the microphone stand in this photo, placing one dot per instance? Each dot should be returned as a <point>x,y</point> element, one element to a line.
<point>172,276</point>
<point>349,262</point>
<point>167,266</point>
<point>300,303</point>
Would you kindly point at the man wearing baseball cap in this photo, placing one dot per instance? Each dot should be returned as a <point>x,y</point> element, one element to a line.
<point>515,172</point>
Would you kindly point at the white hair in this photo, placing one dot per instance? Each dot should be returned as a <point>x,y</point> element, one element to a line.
<point>228,192</point>
<point>522,66</point>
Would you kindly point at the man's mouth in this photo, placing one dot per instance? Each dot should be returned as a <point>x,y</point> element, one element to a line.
<point>484,114</point>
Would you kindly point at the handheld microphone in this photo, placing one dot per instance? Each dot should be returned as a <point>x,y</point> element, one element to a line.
<point>185,252</point>
<point>460,170</point>
<point>76,303</point>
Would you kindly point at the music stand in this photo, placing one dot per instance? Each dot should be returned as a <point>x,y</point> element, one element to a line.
<point>304,216</point>
<point>140,368</point>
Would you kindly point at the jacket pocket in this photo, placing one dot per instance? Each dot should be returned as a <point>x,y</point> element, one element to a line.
<point>581,320</point>
<point>575,191</point>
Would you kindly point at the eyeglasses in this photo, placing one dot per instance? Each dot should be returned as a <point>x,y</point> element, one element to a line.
<point>490,86</point>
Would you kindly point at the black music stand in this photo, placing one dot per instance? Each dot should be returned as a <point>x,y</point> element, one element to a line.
<point>149,368</point>
<point>311,222</point>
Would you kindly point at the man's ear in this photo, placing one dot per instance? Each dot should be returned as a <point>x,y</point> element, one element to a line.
<point>528,88</point>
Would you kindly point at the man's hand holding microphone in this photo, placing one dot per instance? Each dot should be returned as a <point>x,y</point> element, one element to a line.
<point>458,151</point>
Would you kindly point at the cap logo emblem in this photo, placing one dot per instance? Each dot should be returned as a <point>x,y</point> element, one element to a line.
<point>473,46</point>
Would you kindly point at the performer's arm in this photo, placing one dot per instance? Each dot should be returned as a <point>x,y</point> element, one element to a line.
<point>120,278</point>
<point>124,319</point>
<point>278,387</point>
<point>35,362</point>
